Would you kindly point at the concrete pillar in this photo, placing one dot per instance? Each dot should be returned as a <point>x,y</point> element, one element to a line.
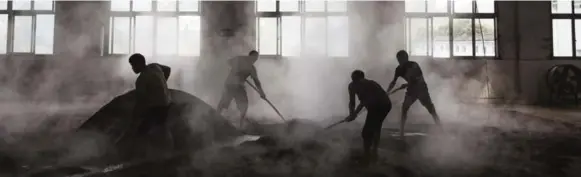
<point>228,30</point>
<point>377,33</point>
<point>80,27</point>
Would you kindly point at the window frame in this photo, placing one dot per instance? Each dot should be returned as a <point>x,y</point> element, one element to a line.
<point>451,15</point>
<point>572,16</point>
<point>108,35</point>
<point>303,14</point>
<point>10,31</point>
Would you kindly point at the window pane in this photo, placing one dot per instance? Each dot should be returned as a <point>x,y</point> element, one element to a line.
<point>562,37</point>
<point>267,38</point>
<point>315,6</point>
<point>265,5</point>
<point>43,4</point>
<point>484,39</point>
<point>462,37</point>
<point>438,6</point>
<point>120,5</point>
<point>315,36</point>
<point>166,5</point>
<point>441,30</point>
<point>578,38</point>
<point>415,5</point>
<point>291,35</point>
<point>167,39</point>
<point>561,6</point>
<point>484,6</point>
<point>3,32</point>
<point>337,6</point>
<point>577,5</point>
<point>21,4</point>
<point>144,35</point>
<point>338,36</point>
<point>121,34</point>
<point>3,5</point>
<point>142,5</point>
<point>418,36</point>
<point>462,6</point>
<point>44,39</point>
<point>189,40</point>
<point>289,5</point>
<point>22,33</point>
<point>189,5</point>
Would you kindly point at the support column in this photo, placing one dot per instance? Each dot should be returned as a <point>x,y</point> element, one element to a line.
<point>80,27</point>
<point>228,30</point>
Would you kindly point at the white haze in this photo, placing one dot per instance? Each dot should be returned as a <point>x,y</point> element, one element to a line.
<point>308,87</point>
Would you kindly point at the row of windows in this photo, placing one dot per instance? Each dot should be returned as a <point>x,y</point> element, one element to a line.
<point>284,28</point>
<point>27,26</point>
<point>302,28</point>
<point>566,28</point>
<point>445,28</point>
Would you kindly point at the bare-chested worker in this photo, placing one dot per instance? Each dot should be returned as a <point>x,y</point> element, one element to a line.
<point>377,102</point>
<point>152,100</point>
<point>417,89</point>
<point>241,68</point>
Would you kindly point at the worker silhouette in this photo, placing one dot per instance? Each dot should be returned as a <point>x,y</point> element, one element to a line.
<point>377,102</point>
<point>417,89</point>
<point>152,102</point>
<point>241,68</point>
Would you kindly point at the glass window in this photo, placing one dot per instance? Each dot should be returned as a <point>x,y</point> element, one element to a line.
<point>167,39</point>
<point>21,5</point>
<point>337,6</point>
<point>121,35</point>
<point>159,31</point>
<point>438,6</point>
<point>44,42</point>
<point>43,5</point>
<point>267,37</point>
<point>3,33</point>
<point>289,5</point>
<point>462,6</point>
<point>265,5</point>
<point>419,36</point>
<point>562,38</point>
<point>143,35</point>
<point>23,34</point>
<point>441,39</point>
<point>415,5</point>
<point>462,35</point>
<point>189,32</point>
<point>485,37</point>
<point>291,35</point>
<point>315,6</point>
<point>120,5</point>
<point>338,36</point>
<point>315,36</point>
<point>561,6</point>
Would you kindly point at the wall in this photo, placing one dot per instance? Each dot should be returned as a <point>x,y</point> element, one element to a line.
<point>307,87</point>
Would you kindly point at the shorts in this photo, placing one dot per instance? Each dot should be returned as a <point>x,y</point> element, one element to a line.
<point>236,93</point>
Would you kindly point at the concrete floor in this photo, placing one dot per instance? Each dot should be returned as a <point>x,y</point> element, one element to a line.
<point>463,150</point>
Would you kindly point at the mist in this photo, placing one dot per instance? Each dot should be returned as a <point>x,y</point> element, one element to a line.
<point>57,94</point>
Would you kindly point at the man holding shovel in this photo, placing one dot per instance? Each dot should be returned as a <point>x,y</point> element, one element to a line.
<point>377,102</point>
<point>241,69</point>
<point>417,89</point>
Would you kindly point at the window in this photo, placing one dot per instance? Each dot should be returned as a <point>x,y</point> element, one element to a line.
<point>27,27</point>
<point>451,28</point>
<point>154,28</point>
<point>566,28</point>
<point>291,28</point>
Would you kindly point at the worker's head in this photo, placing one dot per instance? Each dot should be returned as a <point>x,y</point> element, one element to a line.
<point>253,55</point>
<point>357,75</point>
<point>402,56</point>
<point>137,62</point>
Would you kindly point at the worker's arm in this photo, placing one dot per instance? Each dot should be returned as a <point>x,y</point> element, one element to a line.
<point>140,95</point>
<point>394,80</point>
<point>353,115</point>
<point>254,76</point>
<point>351,100</point>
